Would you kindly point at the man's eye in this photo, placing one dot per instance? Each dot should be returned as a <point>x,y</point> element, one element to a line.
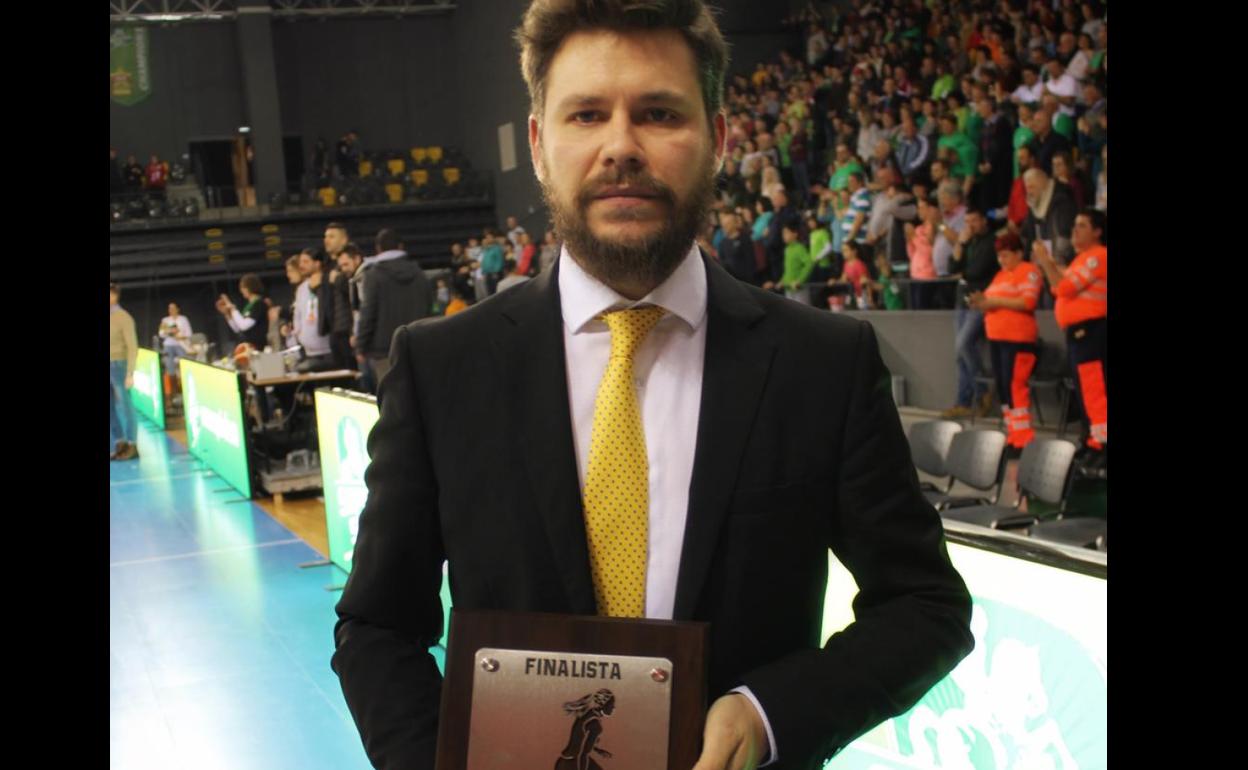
<point>585,116</point>
<point>659,115</point>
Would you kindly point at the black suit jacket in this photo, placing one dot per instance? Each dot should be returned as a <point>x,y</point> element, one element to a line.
<point>799,449</point>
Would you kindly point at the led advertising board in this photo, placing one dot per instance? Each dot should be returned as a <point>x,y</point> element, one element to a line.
<point>148,395</point>
<point>216,433</point>
<point>1031,694</point>
<point>343,421</point>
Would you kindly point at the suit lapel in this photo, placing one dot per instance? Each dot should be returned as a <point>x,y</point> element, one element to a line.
<point>530,352</point>
<point>738,358</point>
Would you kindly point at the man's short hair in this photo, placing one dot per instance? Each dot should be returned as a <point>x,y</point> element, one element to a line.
<point>351,250</point>
<point>338,226</point>
<point>115,288</point>
<point>548,22</point>
<point>387,240</point>
<point>252,283</point>
<point>949,189</point>
<point>1099,221</point>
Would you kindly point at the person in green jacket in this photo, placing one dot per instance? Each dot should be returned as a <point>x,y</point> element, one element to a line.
<point>846,164</point>
<point>943,86</point>
<point>970,124</point>
<point>820,250</point>
<point>887,292</point>
<point>1062,123</point>
<point>797,262</point>
<point>968,154</point>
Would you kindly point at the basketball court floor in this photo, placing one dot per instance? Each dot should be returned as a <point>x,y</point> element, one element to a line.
<point>219,643</point>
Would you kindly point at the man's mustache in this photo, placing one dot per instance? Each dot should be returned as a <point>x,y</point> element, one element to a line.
<point>638,182</point>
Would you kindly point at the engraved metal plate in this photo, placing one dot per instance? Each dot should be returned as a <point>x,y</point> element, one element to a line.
<point>534,709</point>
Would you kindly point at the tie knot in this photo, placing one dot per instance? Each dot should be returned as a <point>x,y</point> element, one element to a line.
<point>629,327</point>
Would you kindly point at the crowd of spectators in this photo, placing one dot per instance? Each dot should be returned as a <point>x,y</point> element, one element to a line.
<point>133,178</point>
<point>899,118</point>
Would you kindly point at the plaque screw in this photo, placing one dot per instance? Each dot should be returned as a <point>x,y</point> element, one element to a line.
<point>489,664</point>
<point>658,675</point>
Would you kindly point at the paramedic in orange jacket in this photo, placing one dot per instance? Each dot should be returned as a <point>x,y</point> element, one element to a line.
<point>1082,309</point>
<point>1009,307</point>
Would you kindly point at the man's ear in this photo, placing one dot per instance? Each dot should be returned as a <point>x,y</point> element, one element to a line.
<point>535,148</point>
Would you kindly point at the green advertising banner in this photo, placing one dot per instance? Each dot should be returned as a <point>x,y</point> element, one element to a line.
<point>1033,692</point>
<point>343,421</point>
<point>129,70</point>
<point>148,395</point>
<point>212,398</point>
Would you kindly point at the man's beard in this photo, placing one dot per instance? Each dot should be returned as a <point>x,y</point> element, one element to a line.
<point>632,261</point>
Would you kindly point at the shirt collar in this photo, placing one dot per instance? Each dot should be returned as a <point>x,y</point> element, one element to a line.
<point>583,298</point>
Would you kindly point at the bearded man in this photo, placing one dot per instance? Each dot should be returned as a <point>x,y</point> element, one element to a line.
<point>687,446</point>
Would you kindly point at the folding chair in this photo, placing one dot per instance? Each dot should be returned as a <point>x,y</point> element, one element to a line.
<point>976,458</point>
<point>929,448</point>
<point>1044,473</point>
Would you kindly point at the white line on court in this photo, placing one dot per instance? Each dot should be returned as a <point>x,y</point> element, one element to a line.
<point>204,553</point>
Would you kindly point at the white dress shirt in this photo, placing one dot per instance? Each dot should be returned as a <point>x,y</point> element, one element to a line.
<point>1029,95</point>
<point>667,370</point>
<point>183,334</point>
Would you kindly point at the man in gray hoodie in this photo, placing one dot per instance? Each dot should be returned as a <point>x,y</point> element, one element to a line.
<point>395,292</point>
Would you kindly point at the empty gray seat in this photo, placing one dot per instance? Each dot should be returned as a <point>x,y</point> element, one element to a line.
<point>977,459</point>
<point>1044,473</point>
<point>929,448</point>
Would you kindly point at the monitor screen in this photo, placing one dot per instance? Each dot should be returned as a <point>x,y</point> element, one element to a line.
<point>216,433</point>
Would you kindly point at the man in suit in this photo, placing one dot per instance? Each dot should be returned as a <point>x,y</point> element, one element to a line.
<point>769,436</point>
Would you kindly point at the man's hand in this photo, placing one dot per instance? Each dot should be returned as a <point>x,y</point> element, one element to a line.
<point>1039,253</point>
<point>735,737</point>
<point>129,381</point>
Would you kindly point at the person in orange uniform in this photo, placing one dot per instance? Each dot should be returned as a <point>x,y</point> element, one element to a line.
<point>1009,308</point>
<point>1082,310</point>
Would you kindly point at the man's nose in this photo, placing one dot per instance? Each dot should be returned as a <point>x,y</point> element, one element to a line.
<point>621,144</point>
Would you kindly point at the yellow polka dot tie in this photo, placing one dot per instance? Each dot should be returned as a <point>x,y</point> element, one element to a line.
<point>617,491</point>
